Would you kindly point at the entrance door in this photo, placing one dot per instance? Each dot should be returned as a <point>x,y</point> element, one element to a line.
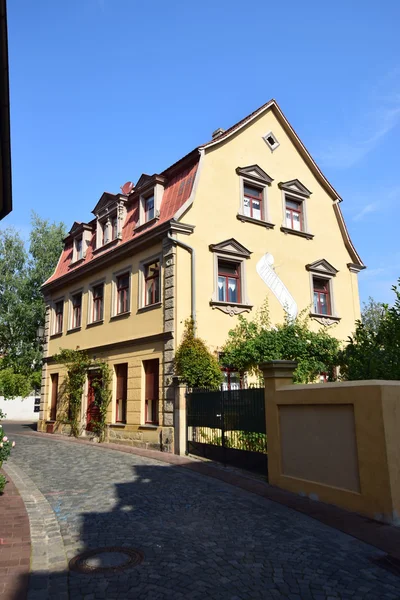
<point>93,411</point>
<point>151,369</point>
<point>54,396</point>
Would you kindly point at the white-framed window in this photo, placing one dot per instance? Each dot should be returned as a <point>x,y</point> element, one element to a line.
<point>271,141</point>
<point>295,197</point>
<point>96,302</point>
<point>230,284</point>
<point>322,275</point>
<point>121,292</point>
<point>150,282</point>
<point>253,195</point>
<point>75,320</point>
<point>58,316</point>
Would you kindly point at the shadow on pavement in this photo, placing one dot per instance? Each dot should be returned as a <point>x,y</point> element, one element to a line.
<point>146,516</point>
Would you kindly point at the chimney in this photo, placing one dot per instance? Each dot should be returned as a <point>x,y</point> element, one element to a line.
<point>217,133</point>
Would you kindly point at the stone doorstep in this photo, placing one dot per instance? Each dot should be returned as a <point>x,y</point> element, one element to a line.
<point>382,536</point>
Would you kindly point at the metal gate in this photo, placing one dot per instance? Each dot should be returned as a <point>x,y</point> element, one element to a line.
<point>228,426</point>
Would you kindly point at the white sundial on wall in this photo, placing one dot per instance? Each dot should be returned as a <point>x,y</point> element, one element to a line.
<point>265,270</point>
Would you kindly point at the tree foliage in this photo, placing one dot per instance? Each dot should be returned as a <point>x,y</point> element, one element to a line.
<point>195,363</point>
<point>254,341</point>
<point>373,352</point>
<point>22,309</point>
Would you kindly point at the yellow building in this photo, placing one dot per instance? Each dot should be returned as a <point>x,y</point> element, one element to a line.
<point>248,215</point>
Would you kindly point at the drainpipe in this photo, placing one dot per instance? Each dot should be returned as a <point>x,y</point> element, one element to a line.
<point>193,273</point>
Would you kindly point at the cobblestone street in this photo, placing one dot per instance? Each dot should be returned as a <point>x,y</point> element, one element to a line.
<point>200,537</point>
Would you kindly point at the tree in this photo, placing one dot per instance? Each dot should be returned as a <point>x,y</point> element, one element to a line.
<point>254,341</point>
<point>373,352</point>
<point>22,309</point>
<point>195,363</point>
<point>372,313</point>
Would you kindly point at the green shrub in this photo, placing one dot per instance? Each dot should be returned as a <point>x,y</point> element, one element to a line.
<point>195,363</point>
<point>3,481</point>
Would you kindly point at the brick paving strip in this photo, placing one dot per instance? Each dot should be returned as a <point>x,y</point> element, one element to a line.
<point>382,536</point>
<point>15,545</point>
<point>48,559</point>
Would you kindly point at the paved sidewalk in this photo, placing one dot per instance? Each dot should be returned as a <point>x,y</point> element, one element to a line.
<point>200,537</point>
<point>15,546</point>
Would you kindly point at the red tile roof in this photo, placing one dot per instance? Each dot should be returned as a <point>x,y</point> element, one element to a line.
<point>176,192</point>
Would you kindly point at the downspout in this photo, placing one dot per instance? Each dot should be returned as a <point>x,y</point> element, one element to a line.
<point>193,273</point>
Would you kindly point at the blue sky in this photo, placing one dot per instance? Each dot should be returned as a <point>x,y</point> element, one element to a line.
<point>103,90</point>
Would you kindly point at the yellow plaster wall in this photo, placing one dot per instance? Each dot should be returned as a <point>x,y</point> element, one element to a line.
<point>134,357</point>
<point>214,211</point>
<point>113,329</point>
<point>375,489</point>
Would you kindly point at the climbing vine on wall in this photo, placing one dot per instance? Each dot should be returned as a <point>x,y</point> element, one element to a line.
<point>77,363</point>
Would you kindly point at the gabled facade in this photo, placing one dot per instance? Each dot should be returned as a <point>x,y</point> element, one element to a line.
<point>248,215</point>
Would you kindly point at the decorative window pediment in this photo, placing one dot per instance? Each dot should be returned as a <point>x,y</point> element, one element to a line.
<point>231,247</point>
<point>256,173</point>
<point>322,266</point>
<point>295,186</point>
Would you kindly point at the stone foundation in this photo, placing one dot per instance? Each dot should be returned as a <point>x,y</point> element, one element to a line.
<point>159,438</point>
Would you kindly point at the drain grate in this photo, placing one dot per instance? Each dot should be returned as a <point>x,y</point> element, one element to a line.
<point>388,562</point>
<point>109,560</point>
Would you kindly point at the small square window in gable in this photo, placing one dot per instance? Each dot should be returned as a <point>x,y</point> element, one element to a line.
<point>271,141</point>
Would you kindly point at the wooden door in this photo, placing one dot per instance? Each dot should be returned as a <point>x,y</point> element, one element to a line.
<point>122,385</point>
<point>54,396</point>
<point>93,411</point>
<point>151,369</point>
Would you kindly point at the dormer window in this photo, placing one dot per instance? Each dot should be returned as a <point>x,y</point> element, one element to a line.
<point>79,248</point>
<point>149,208</point>
<point>151,189</point>
<point>81,234</point>
<point>110,212</point>
<point>114,227</point>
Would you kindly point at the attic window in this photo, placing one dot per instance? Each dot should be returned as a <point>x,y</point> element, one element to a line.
<point>271,140</point>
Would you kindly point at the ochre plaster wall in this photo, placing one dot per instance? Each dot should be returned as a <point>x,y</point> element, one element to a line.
<point>299,462</point>
<point>113,329</point>
<point>134,431</point>
<point>214,211</point>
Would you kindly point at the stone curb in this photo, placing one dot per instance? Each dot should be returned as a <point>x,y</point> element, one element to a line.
<point>48,553</point>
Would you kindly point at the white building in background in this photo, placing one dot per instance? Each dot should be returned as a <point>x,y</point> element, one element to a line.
<point>21,409</point>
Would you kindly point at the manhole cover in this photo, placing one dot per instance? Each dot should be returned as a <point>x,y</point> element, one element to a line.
<point>106,560</point>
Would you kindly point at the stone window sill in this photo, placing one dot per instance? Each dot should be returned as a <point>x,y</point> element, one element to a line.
<point>143,225</point>
<point>118,425</point>
<point>94,323</point>
<point>148,426</point>
<point>303,234</point>
<point>246,219</point>
<point>56,335</point>
<point>120,315</point>
<point>330,317</point>
<point>78,261</point>
<point>106,246</point>
<point>149,307</point>
<point>74,329</point>
<point>231,308</point>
